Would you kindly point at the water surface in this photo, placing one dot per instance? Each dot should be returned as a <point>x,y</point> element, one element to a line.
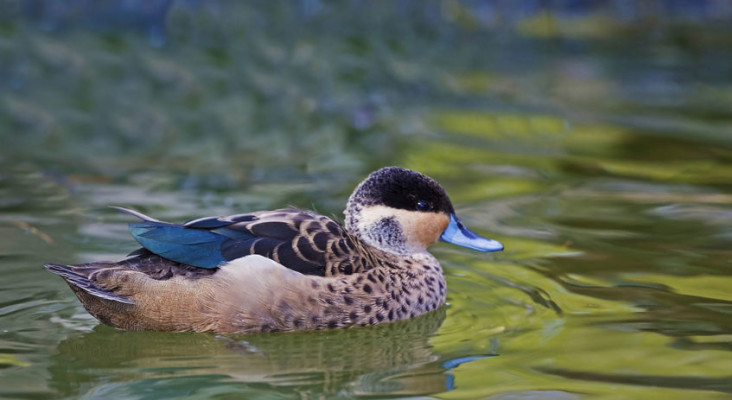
<point>595,144</point>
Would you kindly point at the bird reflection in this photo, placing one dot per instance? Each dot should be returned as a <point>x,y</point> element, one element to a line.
<point>391,359</point>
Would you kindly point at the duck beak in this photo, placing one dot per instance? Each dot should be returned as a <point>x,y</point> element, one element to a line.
<point>457,233</point>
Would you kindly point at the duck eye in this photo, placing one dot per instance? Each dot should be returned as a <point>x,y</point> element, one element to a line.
<point>424,206</point>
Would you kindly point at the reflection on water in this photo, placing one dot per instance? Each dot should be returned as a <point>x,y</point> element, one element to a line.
<point>593,141</point>
<point>395,359</point>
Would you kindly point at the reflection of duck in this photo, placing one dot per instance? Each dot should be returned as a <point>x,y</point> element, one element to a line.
<point>386,359</point>
<point>283,270</point>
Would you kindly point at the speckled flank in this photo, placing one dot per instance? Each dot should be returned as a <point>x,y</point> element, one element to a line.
<point>276,298</point>
<point>297,301</point>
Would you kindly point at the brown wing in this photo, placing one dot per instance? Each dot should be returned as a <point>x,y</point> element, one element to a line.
<point>300,240</point>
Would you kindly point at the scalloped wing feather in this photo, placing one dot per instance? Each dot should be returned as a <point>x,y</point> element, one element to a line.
<point>300,240</point>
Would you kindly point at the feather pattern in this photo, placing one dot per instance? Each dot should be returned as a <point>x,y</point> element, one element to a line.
<point>78,278</point>
<point>300,240</point>
<point>94,278</point>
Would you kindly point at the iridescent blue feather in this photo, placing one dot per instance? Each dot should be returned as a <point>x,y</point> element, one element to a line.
<point>197,244</point>
<point>200,248</point>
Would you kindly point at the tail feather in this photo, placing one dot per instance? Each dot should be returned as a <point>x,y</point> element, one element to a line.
<point>78,276</point>
<point>135,214</point>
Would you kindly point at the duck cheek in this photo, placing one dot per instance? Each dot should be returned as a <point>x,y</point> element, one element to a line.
<point>430,226</point>
<point>386,233</point>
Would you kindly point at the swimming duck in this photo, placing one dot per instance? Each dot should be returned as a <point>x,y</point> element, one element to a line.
<point>283,270</point>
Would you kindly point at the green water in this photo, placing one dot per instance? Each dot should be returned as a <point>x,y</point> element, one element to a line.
<point>599,152</point>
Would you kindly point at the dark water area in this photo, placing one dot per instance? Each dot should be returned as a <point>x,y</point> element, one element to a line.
<point>593,139</point>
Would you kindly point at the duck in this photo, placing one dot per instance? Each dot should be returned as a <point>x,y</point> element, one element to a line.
<point>283,270</point>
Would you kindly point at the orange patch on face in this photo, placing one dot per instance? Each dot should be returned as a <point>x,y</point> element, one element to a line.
<point>429,227</point>
<point>422,229</point>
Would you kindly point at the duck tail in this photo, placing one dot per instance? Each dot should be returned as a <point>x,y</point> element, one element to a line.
<point>135,214</point>
<point>80,277</point>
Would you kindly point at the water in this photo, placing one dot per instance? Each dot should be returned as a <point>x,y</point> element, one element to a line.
<point>595,144</point>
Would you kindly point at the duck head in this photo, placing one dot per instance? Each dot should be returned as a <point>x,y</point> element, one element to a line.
<point>402,211</point>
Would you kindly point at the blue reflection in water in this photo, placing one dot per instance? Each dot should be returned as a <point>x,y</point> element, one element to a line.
<point>450,364</point>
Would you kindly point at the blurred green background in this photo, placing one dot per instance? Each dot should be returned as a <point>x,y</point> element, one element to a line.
<point>592,138</point>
